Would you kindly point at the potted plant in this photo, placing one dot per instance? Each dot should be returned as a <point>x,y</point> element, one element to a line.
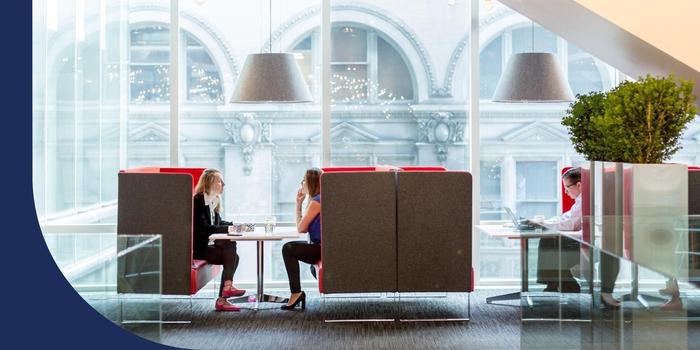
<point>640,123</point>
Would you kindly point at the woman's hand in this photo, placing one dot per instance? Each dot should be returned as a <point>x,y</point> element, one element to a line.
<point>300,195</point>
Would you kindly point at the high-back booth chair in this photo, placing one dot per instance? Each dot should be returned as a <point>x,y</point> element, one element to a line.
<point>434,241</point>
<point>566,201</point>
<point>157,200</point>
<point>358,232</point>
<point>391,229</point>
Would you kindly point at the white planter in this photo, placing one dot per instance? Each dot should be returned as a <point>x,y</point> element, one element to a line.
<point>656,216</point>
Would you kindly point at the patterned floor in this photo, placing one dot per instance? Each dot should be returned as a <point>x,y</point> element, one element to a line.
<point>491,326</point>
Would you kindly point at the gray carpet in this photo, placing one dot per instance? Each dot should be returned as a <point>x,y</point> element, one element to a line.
<point>491,326</point>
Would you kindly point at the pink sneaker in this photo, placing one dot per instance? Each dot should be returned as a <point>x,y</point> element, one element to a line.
<point>226,307</point>
<point>233,292</point>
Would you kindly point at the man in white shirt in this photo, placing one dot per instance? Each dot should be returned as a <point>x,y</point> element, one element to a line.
<point>558,276</point>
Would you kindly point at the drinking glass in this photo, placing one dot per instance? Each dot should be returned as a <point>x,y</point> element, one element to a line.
<point>270,223</point>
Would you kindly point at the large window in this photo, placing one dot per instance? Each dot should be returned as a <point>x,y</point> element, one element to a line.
<point>584,72</point>
<point>491,182</point>
<point>524,143</point>
<point>365,67</point>
<point>79,73</point>
<point>387,104</point>
<point>536,188</point>
<point>150,63</point>
<point>399,96</point>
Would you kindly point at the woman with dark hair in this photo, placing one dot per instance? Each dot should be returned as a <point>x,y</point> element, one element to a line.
<point>310,222</point>
<point>207,220</point>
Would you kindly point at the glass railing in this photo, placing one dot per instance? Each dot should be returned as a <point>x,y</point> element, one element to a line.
<point>119,276</point>
<point>633,281</point>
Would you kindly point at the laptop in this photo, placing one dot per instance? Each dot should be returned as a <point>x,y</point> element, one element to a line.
<point>523,224</point>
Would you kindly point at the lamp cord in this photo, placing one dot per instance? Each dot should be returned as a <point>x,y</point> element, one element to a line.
<point>533,35</point>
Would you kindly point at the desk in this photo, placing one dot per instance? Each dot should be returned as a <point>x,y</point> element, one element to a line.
<point>260,237</point>
<point>502,231</point>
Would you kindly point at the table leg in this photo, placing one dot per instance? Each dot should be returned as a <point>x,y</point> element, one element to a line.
<point>524,250</point>
<point>523,277</point>
<point>261,261</point>
<point>260,296</point>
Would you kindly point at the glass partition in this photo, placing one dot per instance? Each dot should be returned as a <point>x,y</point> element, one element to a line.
<point>119,276</point>
<point>649,264</point>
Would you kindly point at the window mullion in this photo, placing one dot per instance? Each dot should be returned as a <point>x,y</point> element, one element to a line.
<point>474,124</point>
<point>372,68</point>
<point>174,74</point>
<point>326,82</point>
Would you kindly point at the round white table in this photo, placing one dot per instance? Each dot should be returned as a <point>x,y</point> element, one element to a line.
<point>260,237</point>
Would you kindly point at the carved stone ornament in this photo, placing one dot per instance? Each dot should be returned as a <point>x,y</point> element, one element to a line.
<point>441,130</point>
<point>249,133</point>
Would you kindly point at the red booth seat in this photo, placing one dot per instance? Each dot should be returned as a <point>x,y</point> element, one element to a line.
<point>566,201</point>
<point>145,195</point>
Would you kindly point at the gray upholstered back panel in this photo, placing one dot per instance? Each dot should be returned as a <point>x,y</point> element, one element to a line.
<point>154,203</point>
<point>358,228</point>
<point>434,231</point>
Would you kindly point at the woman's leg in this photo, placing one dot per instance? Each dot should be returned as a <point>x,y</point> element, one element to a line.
<point>609,268</point>
<point>293,252</point>
<point>224,254</point>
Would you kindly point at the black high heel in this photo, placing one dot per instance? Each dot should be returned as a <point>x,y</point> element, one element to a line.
<point>301,299</point>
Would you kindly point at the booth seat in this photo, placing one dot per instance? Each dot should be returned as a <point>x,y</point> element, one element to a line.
<point>347,169</point>
<point>403,230</point>
<point>566,201</point>
<point>158,200</point>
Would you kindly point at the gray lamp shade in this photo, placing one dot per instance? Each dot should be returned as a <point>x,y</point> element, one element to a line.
<point>533,77</point>
<point>271,77</point>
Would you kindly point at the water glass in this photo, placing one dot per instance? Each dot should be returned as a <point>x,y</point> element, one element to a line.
<point>270,223</point>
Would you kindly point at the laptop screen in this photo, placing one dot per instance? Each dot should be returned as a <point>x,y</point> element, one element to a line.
<point>516,222</point>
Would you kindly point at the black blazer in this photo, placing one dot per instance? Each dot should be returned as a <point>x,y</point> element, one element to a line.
<point>202,226</point>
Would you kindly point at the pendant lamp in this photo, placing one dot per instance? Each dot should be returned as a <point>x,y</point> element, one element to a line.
<point>533,77</point>
<point>271,78</point>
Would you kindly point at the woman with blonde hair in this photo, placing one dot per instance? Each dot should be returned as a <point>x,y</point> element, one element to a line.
<point>207,220</point>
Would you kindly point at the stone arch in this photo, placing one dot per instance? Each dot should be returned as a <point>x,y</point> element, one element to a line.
<point>222,55</point>
<point>393,30</point>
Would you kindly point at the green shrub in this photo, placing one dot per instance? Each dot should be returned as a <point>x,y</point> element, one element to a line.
<point>578,121</point>
<point>636,122</point>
